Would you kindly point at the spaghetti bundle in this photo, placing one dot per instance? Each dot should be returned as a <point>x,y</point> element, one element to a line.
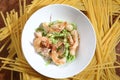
<point>105,17</point>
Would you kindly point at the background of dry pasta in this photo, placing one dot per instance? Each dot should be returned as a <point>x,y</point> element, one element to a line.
<point>105,17</point>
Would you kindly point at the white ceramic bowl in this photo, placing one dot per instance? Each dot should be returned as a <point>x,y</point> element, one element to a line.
<point>86,48</point>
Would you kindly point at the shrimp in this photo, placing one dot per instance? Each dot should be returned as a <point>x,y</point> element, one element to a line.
<point>76,42</point>
<point>46,27</point>
<point>37,41</point>
<point>70,39</point>
<point>69,27</point>
<point>59,26</point>
<point>55,57</point>
<point>62,26</point>
<point>59,43</point>
<point>45,52</point>
<point>45,42</point>
<point>38,34</point>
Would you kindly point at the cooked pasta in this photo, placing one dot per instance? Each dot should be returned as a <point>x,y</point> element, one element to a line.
<point>57,41</point>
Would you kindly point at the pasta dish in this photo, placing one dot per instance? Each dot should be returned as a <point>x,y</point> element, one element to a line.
<point>56,41</point>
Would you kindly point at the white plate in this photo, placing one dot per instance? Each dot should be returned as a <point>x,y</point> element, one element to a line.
<point>86,47</point>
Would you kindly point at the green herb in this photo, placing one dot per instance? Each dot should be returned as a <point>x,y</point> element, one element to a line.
<point>59,48</point>
<point>70,58</point>
<point>54,41</point>
<point>67,45</point>
<point>66,52</point>
<point>58,35</point>
<point>40,28</point>
<point>48,62</point>
<point>54,37</point>
<point>44,33</point>
<point>74,26</point>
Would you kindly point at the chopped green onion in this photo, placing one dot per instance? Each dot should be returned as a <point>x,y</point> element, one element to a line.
<point>70,58</point>
<point>48,62</point>
<point>66,52</point>
<point>54,41</point>
<point>44,33</point>
<point>74,26</point>
<point>59,48</point>
<point>67,45</point>
<point>39,29</point>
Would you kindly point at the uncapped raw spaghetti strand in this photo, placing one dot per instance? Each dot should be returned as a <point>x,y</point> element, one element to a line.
<point>19,69</point>
<point>79,5</point>
<point>3,18</point>
<point>113,41</point>
<point>9,56</point>
<point>11,49</point>
<point>108,56</point>
<point>112,76</point>
<point>4,33</point>
<point>34,3</point>
<point>71,2</point>
<point>56,1</point>
<point>16,64</point>
<point>8,60</point>
<point>25,12</point>
<point>18,36</point>
<point>11,75</point>
<point>110,9</point>
<point>11,69</point>
<point>21,77</point>
<point>104,64</point>
<point>101,68</point>
<point>107,73</point>
<point>37,4</point>
<point>90,76</point>
<point>11,32</point>
<point>105,17</point>
<point>15,38</point>
<point>31,77</point>
<point>23,61</point>
<point>117,54</point>
<point>9,23</point>
<point>3,46</point>
<point>115,5</point>
<point>118,63</point>
<point>20,7</point>
<point>111,38</point>
<point>13,65</point>
<point>110,31</point>
<point>98,13</point>
<point>24,6</point>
